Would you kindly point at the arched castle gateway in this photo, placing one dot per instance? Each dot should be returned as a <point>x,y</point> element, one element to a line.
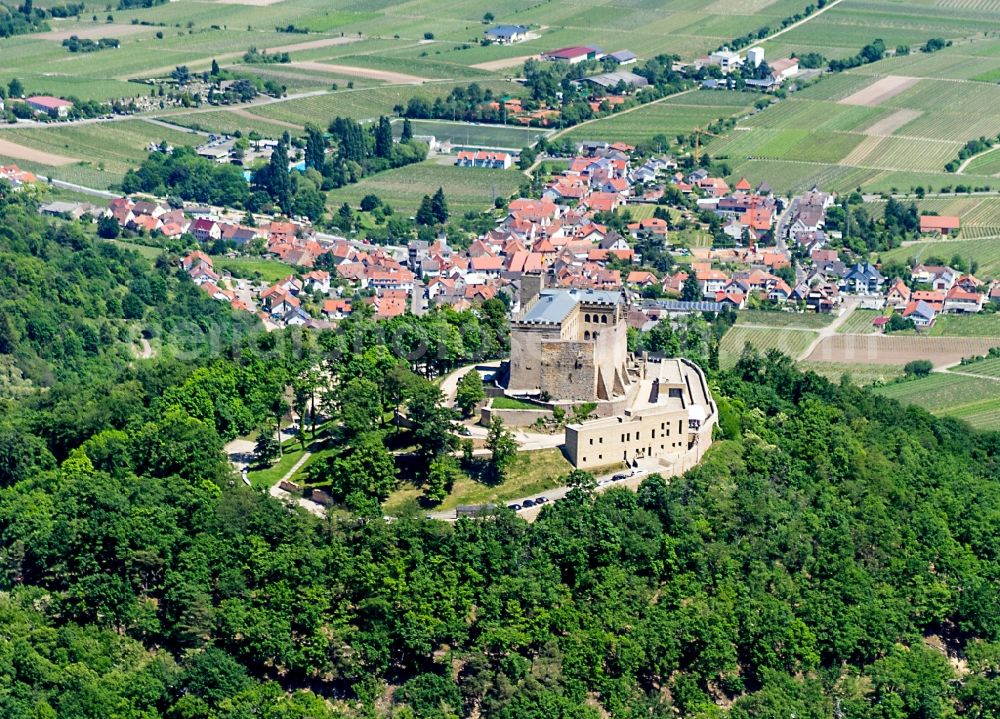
<point>570,346</point>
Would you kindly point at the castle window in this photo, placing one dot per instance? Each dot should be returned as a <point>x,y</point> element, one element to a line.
<point>586,318</point>
<point>586,335</point>
<point>591,440</point>
<point>604,319</point>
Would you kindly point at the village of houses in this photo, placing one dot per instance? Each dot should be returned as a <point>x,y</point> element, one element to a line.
<point>556,235</point>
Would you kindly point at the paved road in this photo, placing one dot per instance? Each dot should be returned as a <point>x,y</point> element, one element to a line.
<point>632,482</point>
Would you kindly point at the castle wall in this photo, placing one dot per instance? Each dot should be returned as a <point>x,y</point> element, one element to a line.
<point>568,371</point>
<point>526,357</point>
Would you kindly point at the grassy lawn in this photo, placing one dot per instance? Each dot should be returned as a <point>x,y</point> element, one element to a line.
<point>150,253</point>
<point>513,403</point>
<point>267,477</point>
<point>253,268</point>
<point>809,321</point>
<point>532,472</point>
<point>292,453</point>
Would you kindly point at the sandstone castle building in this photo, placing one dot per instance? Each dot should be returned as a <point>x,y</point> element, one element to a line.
<point>570,347</point>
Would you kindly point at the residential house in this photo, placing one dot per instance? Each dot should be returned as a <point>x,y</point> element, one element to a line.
<point>711,281</point>
<point>486,159</point>
<point>506,34</point>
<point>898,295</point>
<point>921,313</point>
<point>317,281</point>
<point>205,230</point>
<point>862,279</point>
<point>958,300</point>
<point>823,298</point>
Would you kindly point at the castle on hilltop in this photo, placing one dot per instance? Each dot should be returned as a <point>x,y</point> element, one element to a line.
<point>570,347</point>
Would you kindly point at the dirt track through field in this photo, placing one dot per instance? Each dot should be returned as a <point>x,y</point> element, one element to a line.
<point>315,44</point>
<point>504,63</point>
<point>898,349</point>
<point>888,125</point>
<point>880,91</point>
<point>20,152</point>
<point>399,78</point>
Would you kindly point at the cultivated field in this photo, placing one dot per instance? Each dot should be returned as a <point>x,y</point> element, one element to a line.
<point>779,320</point>
<point>880,91</point>
<point>104,151</point>
<point>985,252</point>
<point>880,127</point>
<point>860,322</point>
<point>366,104</point>
<point>464,133</point>
<point>967,326</point>
<point>898,350</point>
<point>669,117</point>
<point>465,188</point>
<point>791,342</point>
<point>859,373</point>
<point>984,368</point>
<point>973,399</point>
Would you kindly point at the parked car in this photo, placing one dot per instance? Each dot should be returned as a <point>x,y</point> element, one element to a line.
<point>515,507</point>
<point>619,477</point>
<point>541,500</point>
<point>527,503</point>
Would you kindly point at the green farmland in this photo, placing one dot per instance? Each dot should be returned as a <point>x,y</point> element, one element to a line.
<point>839,135</point>
<point>467,189</point>
<point>858,372</point>
<point>972,398</point>
<point>669,117</point>
<point>793,320</point>
<point>985,252</point>
<point>792,342</point>
<point>981,325</point>
<point>466,133</point>
<point>104,151</point>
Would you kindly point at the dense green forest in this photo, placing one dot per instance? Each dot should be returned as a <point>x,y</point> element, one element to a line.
<point>72,306</point>
<point>836,554</point>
